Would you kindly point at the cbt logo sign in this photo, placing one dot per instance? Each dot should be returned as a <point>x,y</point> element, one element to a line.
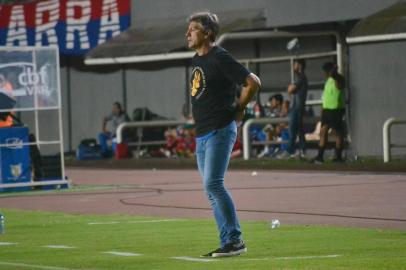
<point>28,80</point>
<point>14,143</point>
<point>35,82</point>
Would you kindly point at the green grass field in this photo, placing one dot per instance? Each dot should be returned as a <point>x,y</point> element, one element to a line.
<point>287,247</point>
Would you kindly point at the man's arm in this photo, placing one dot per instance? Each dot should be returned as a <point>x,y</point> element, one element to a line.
<point>249,89</point>
<point>105,120</point>
<point>292,88</point>
<point>104,128</point>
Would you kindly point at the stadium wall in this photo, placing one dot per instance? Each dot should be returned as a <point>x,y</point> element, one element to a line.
<point>377,91</point>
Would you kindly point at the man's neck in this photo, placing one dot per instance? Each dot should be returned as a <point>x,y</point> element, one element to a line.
<point>205,48</point>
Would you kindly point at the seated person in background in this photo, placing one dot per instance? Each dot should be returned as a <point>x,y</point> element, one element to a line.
<point>282,130</point>
<point>116,117</point>
<point>180,142</point>
<point>169,149</point>
<point>255,110</point>
<point>273,109</point>
<point>185,142</point>
<point>315,135</point>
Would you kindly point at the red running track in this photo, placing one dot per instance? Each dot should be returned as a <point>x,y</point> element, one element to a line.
<point>343,199</point>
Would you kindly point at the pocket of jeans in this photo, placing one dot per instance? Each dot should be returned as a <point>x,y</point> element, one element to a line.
<point>233,128</point>
<point>229,135</point>
<point>233,136</point>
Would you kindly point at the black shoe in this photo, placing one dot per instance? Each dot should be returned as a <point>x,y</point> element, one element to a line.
<point>317,160</point>
<point>210,254</point>
<point>232,249</point>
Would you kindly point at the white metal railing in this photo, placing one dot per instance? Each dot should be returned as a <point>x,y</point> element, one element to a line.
<point>246,129</point>
<point>314,102</point>
<point>169,123</point>
<point>142,124</point>
<point>387,145</point>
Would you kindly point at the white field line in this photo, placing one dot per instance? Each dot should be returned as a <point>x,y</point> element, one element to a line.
<point>58,247</point>
<point>7,244</point>
<point>192,259</point>
<point>133,222</point>
<point>125,254</point>
<point>293,258</point>
<point>103,223</point>
<point>309,257</point>
<point>32,266</point>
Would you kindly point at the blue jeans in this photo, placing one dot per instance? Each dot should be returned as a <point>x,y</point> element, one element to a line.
<point>213,155</point>
<point>296,129</point>
<point>103,138</point>
<point>285,137</point>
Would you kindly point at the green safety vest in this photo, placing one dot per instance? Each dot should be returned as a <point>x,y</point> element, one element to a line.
<point>332,96</point>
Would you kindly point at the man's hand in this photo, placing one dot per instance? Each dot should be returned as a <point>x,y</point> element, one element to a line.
<point>291,89</point>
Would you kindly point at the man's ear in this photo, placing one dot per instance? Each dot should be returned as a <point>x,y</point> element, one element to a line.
<point>208,33</point>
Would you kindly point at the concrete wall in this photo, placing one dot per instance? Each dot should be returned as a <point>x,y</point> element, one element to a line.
<point>92,95</point>
<point>279,12</point>
<point>162,91</point>
<point>377,92</point>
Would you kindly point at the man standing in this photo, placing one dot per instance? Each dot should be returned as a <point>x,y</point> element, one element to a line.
<point>214,81</point>
<point>298,93</point>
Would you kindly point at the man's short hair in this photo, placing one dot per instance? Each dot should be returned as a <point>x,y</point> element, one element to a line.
<point>329,67</point>
<point>209,21</point>
<point>277,97</point>
<point>301,62</point>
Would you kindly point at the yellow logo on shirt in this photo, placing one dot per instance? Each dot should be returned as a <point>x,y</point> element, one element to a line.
<point>197,83</point>
<point>197,76</point>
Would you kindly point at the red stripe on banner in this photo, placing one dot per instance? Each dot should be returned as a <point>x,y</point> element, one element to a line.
<point>30,11</point>
<point>29,14</point>
<point>96,10</point>
<point>62,10</point>
<point>5,12</point>
<point>91,32</point>
<point>123,7</point>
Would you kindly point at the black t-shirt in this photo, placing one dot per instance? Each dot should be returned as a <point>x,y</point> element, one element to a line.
<point>213,87</point>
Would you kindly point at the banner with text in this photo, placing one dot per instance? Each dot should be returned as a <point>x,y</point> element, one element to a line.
<point>75,26</point>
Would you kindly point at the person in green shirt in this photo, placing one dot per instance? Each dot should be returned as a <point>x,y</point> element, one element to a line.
<point>333,112</point>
